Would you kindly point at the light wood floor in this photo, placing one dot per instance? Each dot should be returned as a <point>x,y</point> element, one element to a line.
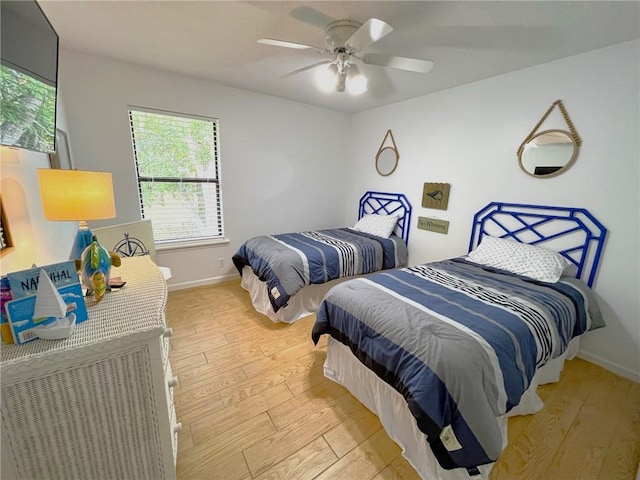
<point>254,405</point>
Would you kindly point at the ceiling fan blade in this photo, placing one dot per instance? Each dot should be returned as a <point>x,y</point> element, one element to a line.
<point>308,67</point>
<point>371,31</point>
<point>311,16</point>
<point>401,63</point>
<point>282,43</point>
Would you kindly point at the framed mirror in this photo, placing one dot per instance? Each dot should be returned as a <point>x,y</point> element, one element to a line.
<point>386,161</point>
<point>548,153</point>
<point>387,156</point>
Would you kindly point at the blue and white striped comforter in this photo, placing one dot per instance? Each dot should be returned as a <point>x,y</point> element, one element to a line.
<point>289,262</point>
<point>461,342</point>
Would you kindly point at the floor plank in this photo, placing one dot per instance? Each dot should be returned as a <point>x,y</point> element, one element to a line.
<point>347,435</point>
<point>321,395</point>
<point>276,447</point>
<point>591,433</point>
<point>304,464</point>
<point>623,454</point>
<point>197,388</point>
<point>223,419</point>
<point>255,385</point>
<point>364,461</point>
<point>199,460</point>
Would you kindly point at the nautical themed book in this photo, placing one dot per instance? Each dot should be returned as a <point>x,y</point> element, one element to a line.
<point>21,311</point>
<point>41,295</point>
<point>25,282</point>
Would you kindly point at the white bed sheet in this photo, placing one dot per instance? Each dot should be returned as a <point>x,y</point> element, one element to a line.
<point>344,368</point>
<point>303,303</point>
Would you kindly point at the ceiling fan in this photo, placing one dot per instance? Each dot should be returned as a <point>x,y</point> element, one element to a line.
<point>345,40</point>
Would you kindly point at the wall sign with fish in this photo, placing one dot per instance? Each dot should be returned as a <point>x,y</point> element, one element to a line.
<point>436,195</point>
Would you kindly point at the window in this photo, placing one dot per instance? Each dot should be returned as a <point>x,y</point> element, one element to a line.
<point>178,168</point>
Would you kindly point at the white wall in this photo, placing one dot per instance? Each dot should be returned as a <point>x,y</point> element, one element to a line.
<point>284,164</point>
<point>468,137</point>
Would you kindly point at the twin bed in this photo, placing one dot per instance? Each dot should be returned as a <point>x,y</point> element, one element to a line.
<point>444,352</point>
<point>287,275</point>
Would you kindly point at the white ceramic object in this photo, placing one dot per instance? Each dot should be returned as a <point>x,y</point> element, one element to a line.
<point>61,328</point>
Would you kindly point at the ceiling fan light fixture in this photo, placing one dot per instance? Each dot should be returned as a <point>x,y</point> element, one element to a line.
<point>356,82</point>
<point>341,81</point>
<point>341,75</point>
<point>357,85</point>
<point>326,77</point>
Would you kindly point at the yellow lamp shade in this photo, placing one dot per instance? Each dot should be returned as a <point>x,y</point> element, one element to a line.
<point>76,195</point>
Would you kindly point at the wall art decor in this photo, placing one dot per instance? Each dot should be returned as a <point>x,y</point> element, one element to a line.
<point>433,225</point>
<point>6,242</point>
<point>61,158</point>
<point>387,156</point>
<point>128,239</point>
<point>436,195</point>
<point>549,153</point>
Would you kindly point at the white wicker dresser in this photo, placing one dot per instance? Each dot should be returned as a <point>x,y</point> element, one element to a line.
<point>99,404</point>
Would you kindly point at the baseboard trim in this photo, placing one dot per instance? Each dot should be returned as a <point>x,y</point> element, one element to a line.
<point>611,366</point>
<point>204,281</point>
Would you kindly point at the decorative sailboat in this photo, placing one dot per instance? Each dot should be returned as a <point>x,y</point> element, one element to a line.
<point>49,303</point>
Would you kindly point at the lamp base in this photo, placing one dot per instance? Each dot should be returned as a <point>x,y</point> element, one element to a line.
<point>82,241</point>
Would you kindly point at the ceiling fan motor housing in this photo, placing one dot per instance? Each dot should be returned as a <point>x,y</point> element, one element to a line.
<point>337,33</point>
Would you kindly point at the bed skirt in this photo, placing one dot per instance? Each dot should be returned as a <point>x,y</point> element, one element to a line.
<point>303,303</point>
<point>344,368</point>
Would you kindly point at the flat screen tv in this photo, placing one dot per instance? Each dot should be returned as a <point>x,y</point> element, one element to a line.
<point>545,170</point>
<point>28,77</point>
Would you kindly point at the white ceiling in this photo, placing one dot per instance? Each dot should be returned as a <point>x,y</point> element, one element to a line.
<point>216,40</point>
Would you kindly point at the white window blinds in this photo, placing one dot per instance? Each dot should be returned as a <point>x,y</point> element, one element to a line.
<point>178,170</point>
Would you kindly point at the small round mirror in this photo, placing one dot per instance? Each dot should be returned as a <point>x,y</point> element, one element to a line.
<point>548,153</point>
<point>386,161</point>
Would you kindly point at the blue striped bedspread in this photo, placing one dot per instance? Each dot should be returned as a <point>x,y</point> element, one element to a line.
<point>461,342</point>
<point>288,262</point>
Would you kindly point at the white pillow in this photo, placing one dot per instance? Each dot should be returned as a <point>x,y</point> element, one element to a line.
<point>378,225</point>
<point>520,258</point>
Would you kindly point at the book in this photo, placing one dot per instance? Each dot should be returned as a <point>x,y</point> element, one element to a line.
<point>25,282</point>
<point>20,312</point>
<point>36,291</point>
<point>5,296</point>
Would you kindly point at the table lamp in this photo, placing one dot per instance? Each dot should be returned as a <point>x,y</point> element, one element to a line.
<point>75,195</point>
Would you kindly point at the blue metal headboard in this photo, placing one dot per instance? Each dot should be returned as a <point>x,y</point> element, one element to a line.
<point>573,232</point>
<point>388,204</point>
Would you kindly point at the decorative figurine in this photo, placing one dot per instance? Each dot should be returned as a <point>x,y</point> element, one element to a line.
<point>49,303</point>
<point>95,266</point>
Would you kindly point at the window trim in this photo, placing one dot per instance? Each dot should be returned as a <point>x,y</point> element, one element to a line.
<point>178,245</point>
<point>195,241</point>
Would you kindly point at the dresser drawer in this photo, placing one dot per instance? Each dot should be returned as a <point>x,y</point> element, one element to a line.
<point>164,345</point>
<point>175,431</point>
<point>170,381</point>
